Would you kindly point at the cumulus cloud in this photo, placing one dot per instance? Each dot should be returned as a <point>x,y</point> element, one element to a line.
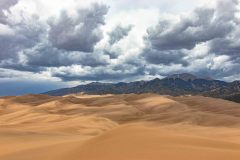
<point>4,6</point>
<point>80,32</point>
<point>91,43</point>
<point>118,33</point>
<point>114,72</point>
<point>176,42</point>
<point>19,34</point>
<point>203,25</point>
<point>154,56</point>
<point>25,47</point>
<point>47,56</point>
<point>229,44</point>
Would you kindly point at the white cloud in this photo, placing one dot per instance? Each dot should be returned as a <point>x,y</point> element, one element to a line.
<point>5,30</point>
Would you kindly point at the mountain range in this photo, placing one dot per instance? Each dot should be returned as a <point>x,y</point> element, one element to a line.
<point>174,85</point>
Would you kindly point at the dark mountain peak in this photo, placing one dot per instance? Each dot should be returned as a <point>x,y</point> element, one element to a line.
<point>236,82</point>
<point>156,79</point>
<point>183,76</point>
<point>175,85</point>
<point>94,83</point>
<point>97,84</point>
<point>208,78</point>
<point>121,83</point>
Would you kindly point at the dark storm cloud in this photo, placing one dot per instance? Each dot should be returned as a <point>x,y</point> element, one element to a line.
<point>154,56</point>
<point>47,56</point>
<point>41,57</point>
<point>25,46</point>
<point>79,33</point>
<point>218,27</point>
<point>24,34</point>
<point>118,33</point>
<point>64,46</point>
<point>96,77</point>
<point>202,26</point>
<point>229,44</point>
<point>14,64</point>
<point>16,36</point>
<point>111,54</point>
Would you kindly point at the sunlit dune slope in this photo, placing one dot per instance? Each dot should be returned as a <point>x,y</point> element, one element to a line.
<point>152,143</point>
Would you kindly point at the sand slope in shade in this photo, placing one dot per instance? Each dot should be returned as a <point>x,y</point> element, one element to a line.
<point>119,127</point>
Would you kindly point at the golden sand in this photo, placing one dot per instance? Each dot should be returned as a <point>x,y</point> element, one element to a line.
<point>118,127</point>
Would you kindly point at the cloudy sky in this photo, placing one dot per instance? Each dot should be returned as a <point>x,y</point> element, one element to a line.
<point>48,44</point>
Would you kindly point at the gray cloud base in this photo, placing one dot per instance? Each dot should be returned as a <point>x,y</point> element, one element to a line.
<point>119,33</point>
<point>79,33</point>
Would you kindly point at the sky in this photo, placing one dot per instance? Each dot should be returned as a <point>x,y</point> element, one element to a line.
<point>52,44</point>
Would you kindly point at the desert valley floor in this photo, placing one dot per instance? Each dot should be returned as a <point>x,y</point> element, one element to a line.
<point>118,127</point>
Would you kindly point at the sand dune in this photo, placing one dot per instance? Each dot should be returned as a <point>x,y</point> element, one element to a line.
<point>119,127</point>
<point>156,143</point>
